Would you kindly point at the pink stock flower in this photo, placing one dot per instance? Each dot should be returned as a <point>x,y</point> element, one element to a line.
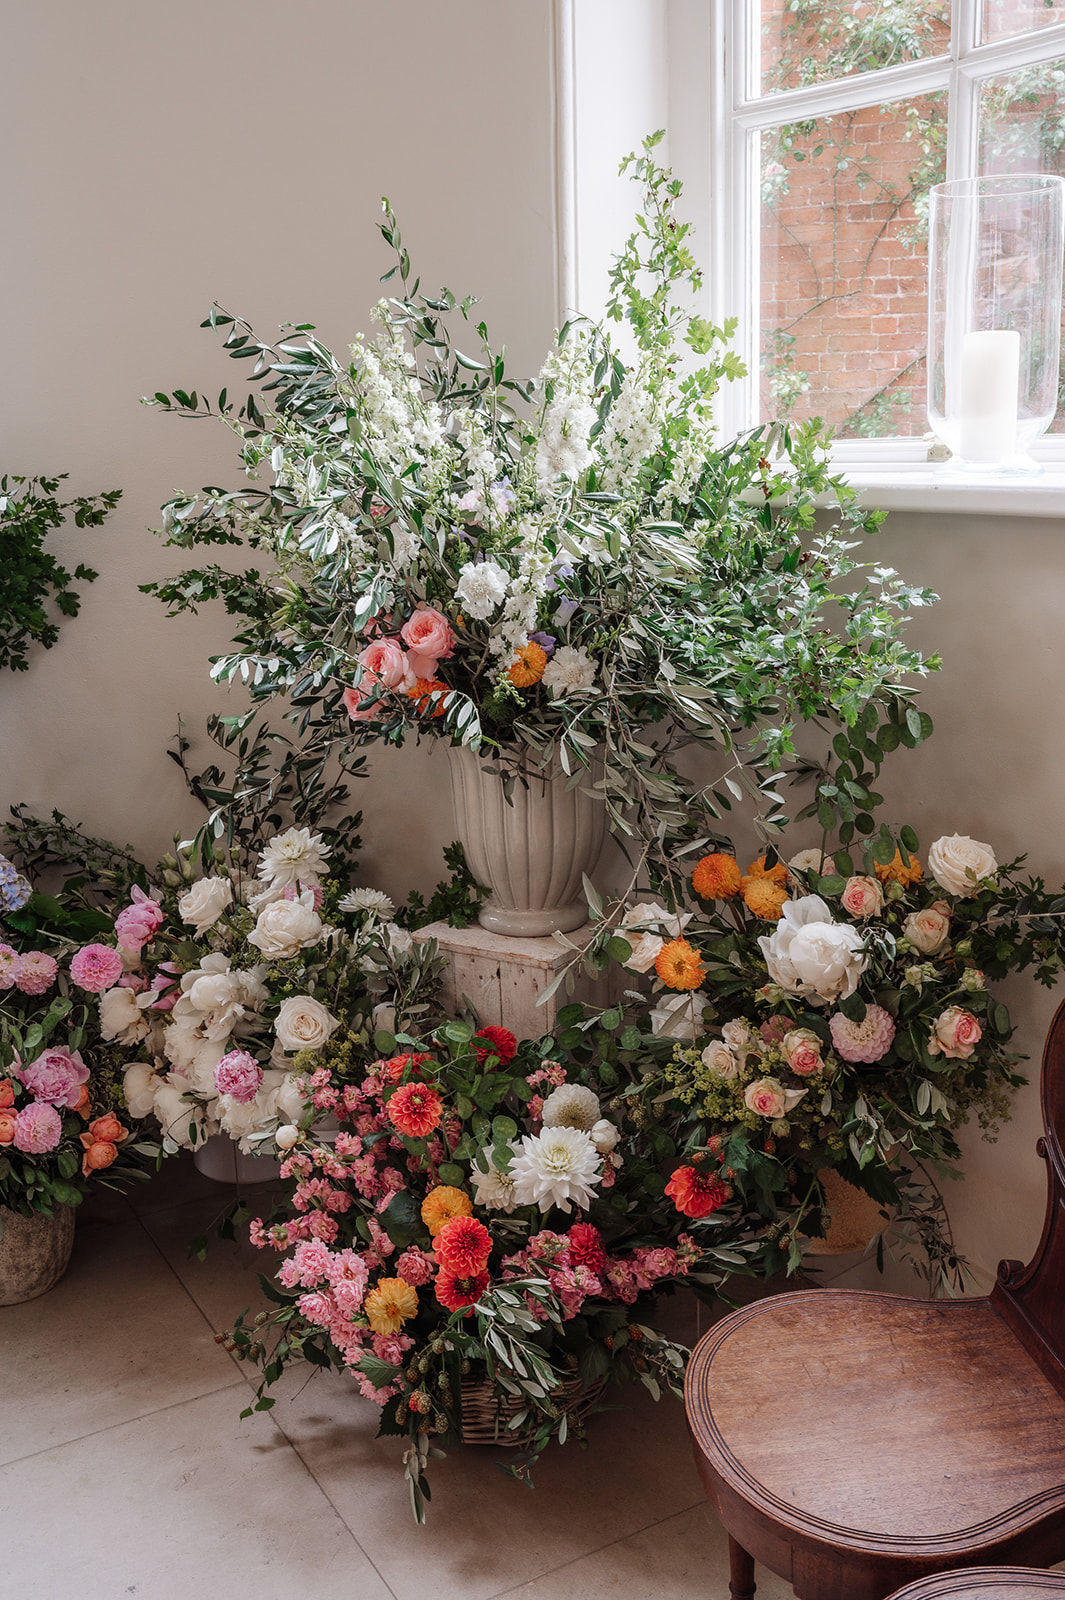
<point>38,1128</point>
<point>35,973</point>
<point>238,1075</point>
<point>429,639</point>
<point>9,966</point>
<point>96,967</point>
<point>386,661</point>
<point>868,1040</point>
<point>56,1076</point>
<point>293,891</point>
<point>137,923</point>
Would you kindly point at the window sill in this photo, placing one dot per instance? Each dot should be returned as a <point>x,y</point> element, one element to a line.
<point>924,486</point>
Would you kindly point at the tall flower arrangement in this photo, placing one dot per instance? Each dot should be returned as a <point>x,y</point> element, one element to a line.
<point>554,571</point>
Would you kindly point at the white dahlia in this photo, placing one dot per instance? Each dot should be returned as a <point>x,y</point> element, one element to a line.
<point>295,856</point>
<point>494,1190</point>
<point>555,1168</point>
<point>571,1106</point>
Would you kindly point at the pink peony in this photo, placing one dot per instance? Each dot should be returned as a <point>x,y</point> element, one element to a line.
<point>35,973</point>
<point>38,1128</point>
<point>96,967</point>
<point>955,1034</point>
<point>137,923</point>
<point>56,1076</point>
<point>428,637</point>
<point>9,966</point>
<point>867,1040</point>
<point>353,698</point>
<point>238,1075</point>
<point>386,661</point>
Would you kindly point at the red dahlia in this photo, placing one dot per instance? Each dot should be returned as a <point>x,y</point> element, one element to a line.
<point>455,1292</point>
<point>697,1194</point>
<point>502,1043</point>
<point>586,1247</point>
<point>415,1109</point>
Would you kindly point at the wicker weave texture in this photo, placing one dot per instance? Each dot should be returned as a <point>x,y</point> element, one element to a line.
<point>485,1413</point>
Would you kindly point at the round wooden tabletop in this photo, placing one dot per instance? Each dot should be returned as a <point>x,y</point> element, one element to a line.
<point>986,1583</point>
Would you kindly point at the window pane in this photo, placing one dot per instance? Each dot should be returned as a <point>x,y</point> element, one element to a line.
<point>1005,17</point>
<point>1022,129</point>
<point>844,297</point>
<point>809,41</point>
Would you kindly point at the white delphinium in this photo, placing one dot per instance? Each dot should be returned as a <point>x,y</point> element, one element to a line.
<point>481,463</point>
<point>557,1167</point>
<point>493,1190</point>
<point>629,437</point>
<point>687,465</point>
<point>482,586</point>
<point>562,450</point>
<point>569,670</point>
<point>571,1106</point>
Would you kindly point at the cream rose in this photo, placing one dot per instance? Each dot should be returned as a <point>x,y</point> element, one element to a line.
<point>928,930</point>
<point>720,1060</point>
<point>770,1099</point>
<point>286,927</point>
<point>637,927</point>
<point>303,1023</point>
<point>955,1034</point>
<point>808,954</point>
<point>801,1049</point>
<point>862,897</point>
<point>737,1035</point>
<point>204,902</point>
<point>604,1135</point>
<point>957,863</point>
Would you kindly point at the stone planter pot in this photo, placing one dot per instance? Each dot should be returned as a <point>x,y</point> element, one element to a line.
<point>531,852</point>
<point>34,1253</point>
<point>220,1159</point>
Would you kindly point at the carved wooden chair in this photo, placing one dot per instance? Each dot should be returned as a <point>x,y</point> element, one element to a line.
<point>853,1442</point>
<point>987,1583</point>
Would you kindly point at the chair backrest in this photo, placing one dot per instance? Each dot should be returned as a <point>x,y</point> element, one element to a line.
<point>1032,1298</point>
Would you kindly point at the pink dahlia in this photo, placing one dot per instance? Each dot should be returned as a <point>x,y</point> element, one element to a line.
<point>56,1076</point>
<point>867,1040</point>
<point>238,1075</point>
<point>35,973</point>
<point>38,1128</point>
<point>10,962</point>
<point>96,967</point>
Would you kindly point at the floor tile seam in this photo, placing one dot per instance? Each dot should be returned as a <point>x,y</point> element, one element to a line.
<point>182,1285</point>
<point>634,1533</point>
<point>126,1422</point>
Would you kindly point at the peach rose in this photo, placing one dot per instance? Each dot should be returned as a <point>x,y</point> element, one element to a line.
<point>770,1098</point>
<point>429,639</point>
<point>7,1127</point>
<point>928,930</point>
<point>801,1049</point>
<point>862,897</point>
<point>353,698</point>
<point>108,1128</point>
<point>955,1034</point>
<point>7,1093</point>
<point>83,1105</point>
<point>388,663</point>
<point>99,1153</point>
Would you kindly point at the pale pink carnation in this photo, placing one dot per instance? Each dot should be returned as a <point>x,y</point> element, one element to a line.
<point>96,967</point>
<point>414,1267</point>
<point>238,1075</point>
<point>56,1076</point>
<point>136,924</point>
<point>317,1307</point>
<point>867,1040</point>
<point>38,1128</point>
<point>9,966</point>
<point>36,972</point>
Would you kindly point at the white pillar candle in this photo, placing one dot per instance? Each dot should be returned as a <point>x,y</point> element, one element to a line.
<point>987,397</point>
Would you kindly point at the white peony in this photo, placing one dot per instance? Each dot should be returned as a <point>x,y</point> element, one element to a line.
<point>240,1121</point>
<point>303,1023</point>
<point>571,1106</point>
<point>121,1017</point>
<point>808,954</point>
<point>204,902</point>
<point>176,1115</point>
<point>286,927</point>
<point>139,1085</point>
<point>295,856</point>
<point>493,1190</point>
<point>215,1000</point>
<point>677,1016</point>
<point>958,863</point>
<point>290,1102</point>
<point>482,586</point>
<point>568,671</point>
<point>557,1167</point>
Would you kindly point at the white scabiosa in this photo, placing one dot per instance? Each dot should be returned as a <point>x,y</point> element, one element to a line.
<point>558,1167</point>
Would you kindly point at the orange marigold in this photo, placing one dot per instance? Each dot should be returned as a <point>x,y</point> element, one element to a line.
<point>528,666</point>
<point>443,1203</point>
<point>758,869</point>
<point>389,1304</point>
<point>716,877</point>
<point>765,898</point>
<point>901,873</point>
<point>428,696</point>
<point>678,965</point>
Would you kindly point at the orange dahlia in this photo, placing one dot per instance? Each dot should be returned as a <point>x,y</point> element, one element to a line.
<point>697,1194</point>
<point>678,965</point>
<point>716,877</point>
<point>778,873</point>
<point>390,1304</point>
<point>765,898</point>
<point>428,695</point>
<point>898,871</point>
<point>415,1109</point>
<point>528,666</point>
<point>443,1203</point>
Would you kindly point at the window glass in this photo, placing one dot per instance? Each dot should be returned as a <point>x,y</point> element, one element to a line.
<point>807,41</point>
<point>1002,18</point>
<point>843,265</point>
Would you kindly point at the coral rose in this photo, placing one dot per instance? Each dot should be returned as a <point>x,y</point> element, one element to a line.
<point>429,639</point>
<point>97,1154</point>
<point>8,1121</point>
<point>353,698</point>
<point>7,1093</point>
<point>697,1194</point>
<point>386,661</point>
<point>108,1128</point>
<point>716,877</point>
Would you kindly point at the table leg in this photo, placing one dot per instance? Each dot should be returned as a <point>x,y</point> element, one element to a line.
<point>741,1571</point>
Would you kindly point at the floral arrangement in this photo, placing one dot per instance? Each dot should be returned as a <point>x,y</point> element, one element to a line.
<point>822,1013</point>
<point>483,1213</point>
<point>65,1126</point>
<point>557,572</point>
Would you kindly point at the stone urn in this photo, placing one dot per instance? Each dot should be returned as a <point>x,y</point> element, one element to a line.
<point>531,848</point>
<point>34,1252</point>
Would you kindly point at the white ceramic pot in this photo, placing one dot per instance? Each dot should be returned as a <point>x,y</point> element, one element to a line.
<point>532,852</point>
<point>34,1252</point>
<point>220,1158</point>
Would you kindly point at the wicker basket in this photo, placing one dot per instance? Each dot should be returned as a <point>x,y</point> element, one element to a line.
<point>485,1412</point>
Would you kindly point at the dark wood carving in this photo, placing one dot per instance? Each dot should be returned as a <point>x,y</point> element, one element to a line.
<point>854,1442</point>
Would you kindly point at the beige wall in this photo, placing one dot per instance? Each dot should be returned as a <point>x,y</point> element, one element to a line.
<point>161,156</point>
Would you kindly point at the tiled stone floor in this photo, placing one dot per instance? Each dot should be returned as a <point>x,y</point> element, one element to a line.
<point>126,1470</point>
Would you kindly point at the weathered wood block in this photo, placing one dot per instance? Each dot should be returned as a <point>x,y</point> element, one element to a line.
<point>502,978</point>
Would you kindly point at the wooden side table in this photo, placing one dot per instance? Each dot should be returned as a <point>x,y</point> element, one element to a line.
<point>986,1583</point>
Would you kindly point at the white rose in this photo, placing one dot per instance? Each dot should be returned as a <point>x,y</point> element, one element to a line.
<point>303,1023</point>
<point>604,1135</point>
<point>637,927</point>
<point>204,902</point>
<point>675,1017</point>
<point>927,930</point>
<point>809,954</point>
<point>737,1035</point>
<point>400,942</point>
<point>290,1104</point>
<point>719,1060</point>
<point>287,1136</point>
<point>645,950</point>
<point>121,1017</point>
<point>957,863</point>
<point>139,1085</point>
<point>286,927</point>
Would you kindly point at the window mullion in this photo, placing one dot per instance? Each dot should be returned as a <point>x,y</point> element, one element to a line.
<point>846,94</point>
